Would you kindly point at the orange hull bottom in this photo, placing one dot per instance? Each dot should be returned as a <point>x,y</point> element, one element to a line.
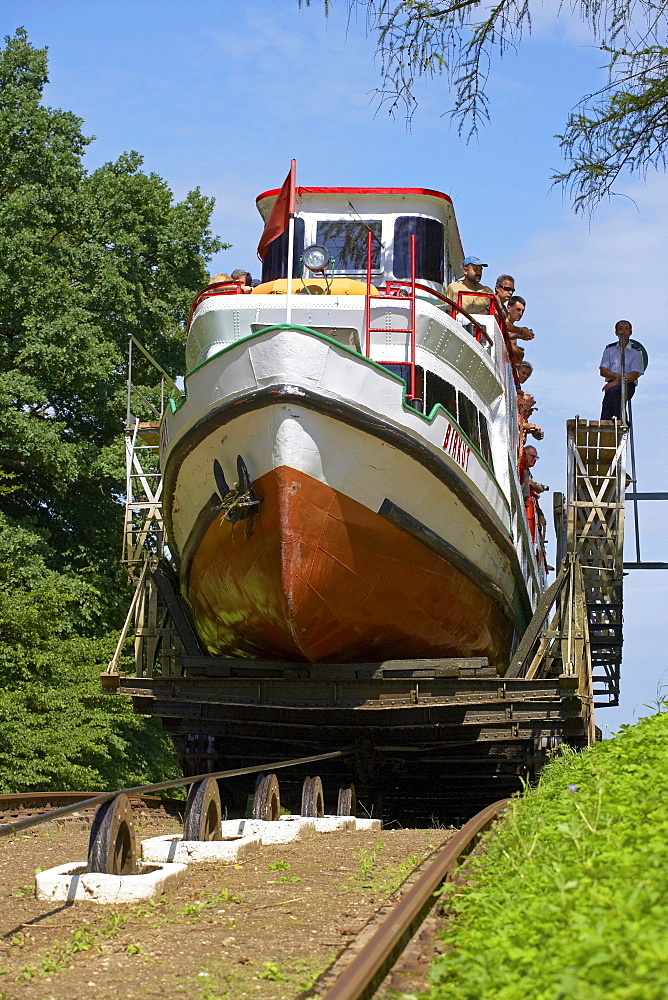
<point>319,577</point>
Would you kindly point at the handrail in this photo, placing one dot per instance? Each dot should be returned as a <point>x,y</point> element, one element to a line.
<point>235,287</point>
<point>496,312</point>
<point>156,365</point>
<point>215,288</point>
<point>412,319</point>
<point>373,961</point>
<point>24,824</point>
<point>425,288</point>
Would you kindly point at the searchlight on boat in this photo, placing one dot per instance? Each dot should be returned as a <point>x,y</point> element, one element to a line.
<point>316,257</point>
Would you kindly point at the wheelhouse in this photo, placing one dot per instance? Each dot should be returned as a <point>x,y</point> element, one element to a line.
<point>342,218</point>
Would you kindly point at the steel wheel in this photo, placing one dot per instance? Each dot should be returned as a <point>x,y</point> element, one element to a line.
<point>204,812</point>
<point>267,800</point>
<point>347,805</point>
<point>313,800</point>
<point>111,846</point>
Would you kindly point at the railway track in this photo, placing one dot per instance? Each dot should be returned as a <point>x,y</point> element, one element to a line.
<point>359,972</point>
<point>25,805</point>
<point>362,966</point>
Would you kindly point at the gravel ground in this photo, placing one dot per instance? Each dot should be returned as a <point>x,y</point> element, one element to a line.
<point>266,928</point>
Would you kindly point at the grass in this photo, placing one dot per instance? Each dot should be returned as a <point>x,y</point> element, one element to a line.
<point>227,983</point>
<point>59,956</point>
<point>571,900</point>
<point>380,879</point>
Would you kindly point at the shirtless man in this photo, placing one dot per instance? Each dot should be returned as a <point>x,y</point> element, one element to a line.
<point>532,458</point>
<point>469,285</point>
<point>514,312</point>
<point>526,404</point>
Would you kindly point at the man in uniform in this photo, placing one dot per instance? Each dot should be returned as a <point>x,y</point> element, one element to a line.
<point>611,370</point>
<point>468,286</point>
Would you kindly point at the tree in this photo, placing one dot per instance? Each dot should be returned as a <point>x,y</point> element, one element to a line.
<point>622,126</point>
<point>85,260</point>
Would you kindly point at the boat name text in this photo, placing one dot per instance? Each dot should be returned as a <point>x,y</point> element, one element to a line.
<point>456,446</point>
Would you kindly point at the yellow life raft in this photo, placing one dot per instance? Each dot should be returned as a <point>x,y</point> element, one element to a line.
<point>314,286</point>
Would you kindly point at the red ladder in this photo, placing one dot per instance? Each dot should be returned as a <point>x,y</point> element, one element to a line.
<point>392,290</point>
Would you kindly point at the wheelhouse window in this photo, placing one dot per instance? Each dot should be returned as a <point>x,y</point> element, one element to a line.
<point>429,248</point>
<point>347,243</point>
<point>440,391</point>
<point>275,263</point>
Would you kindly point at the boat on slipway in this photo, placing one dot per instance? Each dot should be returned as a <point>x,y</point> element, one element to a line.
<point>340,477</point>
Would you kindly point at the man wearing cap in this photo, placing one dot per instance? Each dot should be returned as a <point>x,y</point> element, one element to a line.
<point>611,370</point>
<point>468,286</point>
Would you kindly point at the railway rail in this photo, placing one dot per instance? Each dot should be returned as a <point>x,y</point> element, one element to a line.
<point>363,974</point>
<point>23,805</point>
<point>361,968</point>
<point>112,848</point>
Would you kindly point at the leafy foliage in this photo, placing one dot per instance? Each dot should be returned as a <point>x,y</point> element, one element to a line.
<point>623,126</point>
<point>571,900</point>
<point>85,260</point>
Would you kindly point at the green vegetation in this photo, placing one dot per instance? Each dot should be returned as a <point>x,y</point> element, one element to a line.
<point>383,880</point>
<point>621,127</point>
<point>225,982</point>
<point>59,956</point>
<point>367,858</point>
<point>571,900</point>
<point>210,902</point>
<point>85,260</point>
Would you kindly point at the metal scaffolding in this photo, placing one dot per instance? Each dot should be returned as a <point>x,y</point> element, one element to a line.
<point>144,546</point>
<point>596,467</point>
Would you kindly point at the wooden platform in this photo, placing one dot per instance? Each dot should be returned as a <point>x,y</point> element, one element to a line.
<point>445,735</point>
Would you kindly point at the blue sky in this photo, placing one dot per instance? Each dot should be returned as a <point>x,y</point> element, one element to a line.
<point>221,95</point>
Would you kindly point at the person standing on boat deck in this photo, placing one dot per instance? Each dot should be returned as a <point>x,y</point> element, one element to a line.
<point>504,288</point>
<point>610,370</point>
<point>532,458</point>
<point>245,279</point>
<point>469,285</point>
<point>514,312</point>
<point>524,371</point>
<point>526,404</point>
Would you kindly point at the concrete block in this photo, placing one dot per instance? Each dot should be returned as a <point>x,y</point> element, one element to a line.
<point>368,824</point>
<point>173,848</point>
<point>71,882</point>
<point>325,824</point>
<point>333,824</point>
<point>281,831</point>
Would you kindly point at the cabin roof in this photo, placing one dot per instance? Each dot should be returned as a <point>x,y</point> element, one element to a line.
<point>376,201</point>
<point>359,190</point>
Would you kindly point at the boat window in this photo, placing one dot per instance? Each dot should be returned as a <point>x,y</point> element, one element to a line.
<point>275,263</point>
<point>485,446</point>
<point>429,245</point>
<point>468,419</point>
<point>347,243</point>
<point>440,391</point>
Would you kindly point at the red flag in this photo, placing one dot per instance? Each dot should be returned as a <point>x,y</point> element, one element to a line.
<point>282,209</point>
